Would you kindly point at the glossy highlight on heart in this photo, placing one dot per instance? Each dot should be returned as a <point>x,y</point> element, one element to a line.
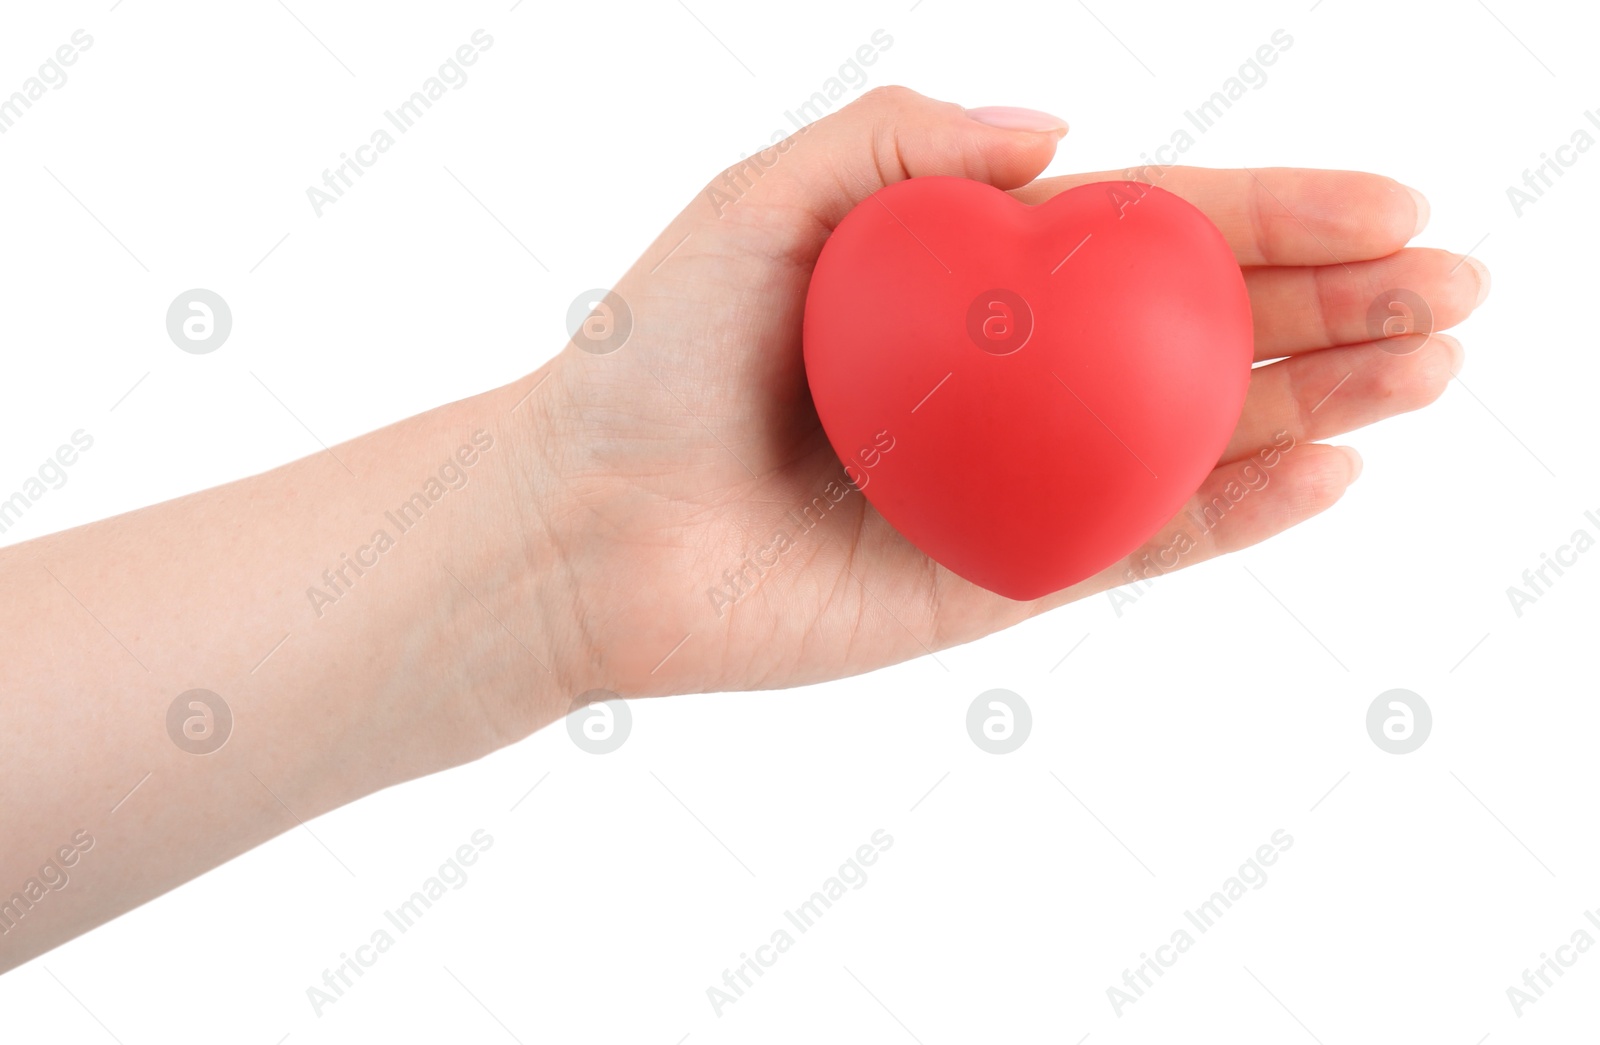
<point>1055,380</point>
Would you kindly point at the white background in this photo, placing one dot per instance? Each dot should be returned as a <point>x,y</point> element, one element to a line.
<point>1217,709</point>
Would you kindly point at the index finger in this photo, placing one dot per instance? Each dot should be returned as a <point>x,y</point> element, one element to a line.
<point>1281,215</point>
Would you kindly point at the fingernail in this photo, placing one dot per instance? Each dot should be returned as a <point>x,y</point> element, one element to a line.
<point>1355,463</point>
<point>1010,118</point>
<point>1458,355</point>
<point>1483,279</point>
<point>1423,211</point>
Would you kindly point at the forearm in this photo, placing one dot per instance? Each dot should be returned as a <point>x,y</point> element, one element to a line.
<point>361,614</point>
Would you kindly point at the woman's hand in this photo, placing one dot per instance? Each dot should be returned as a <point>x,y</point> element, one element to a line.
<point>665,466</point>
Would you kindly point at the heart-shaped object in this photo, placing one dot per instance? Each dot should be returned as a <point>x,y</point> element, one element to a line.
<point>1027,393</point>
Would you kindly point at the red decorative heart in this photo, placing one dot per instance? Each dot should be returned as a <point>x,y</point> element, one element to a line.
<point>1027,393</point>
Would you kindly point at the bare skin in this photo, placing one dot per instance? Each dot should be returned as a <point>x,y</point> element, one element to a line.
<point>580,548</point>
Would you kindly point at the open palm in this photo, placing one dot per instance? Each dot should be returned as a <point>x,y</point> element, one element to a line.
<point>705,534</point>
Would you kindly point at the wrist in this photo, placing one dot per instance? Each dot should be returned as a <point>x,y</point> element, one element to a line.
<point>489,609</point>
<point>437,596</point>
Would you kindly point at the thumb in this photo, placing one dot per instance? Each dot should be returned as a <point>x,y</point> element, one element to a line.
<point>888,135</point>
